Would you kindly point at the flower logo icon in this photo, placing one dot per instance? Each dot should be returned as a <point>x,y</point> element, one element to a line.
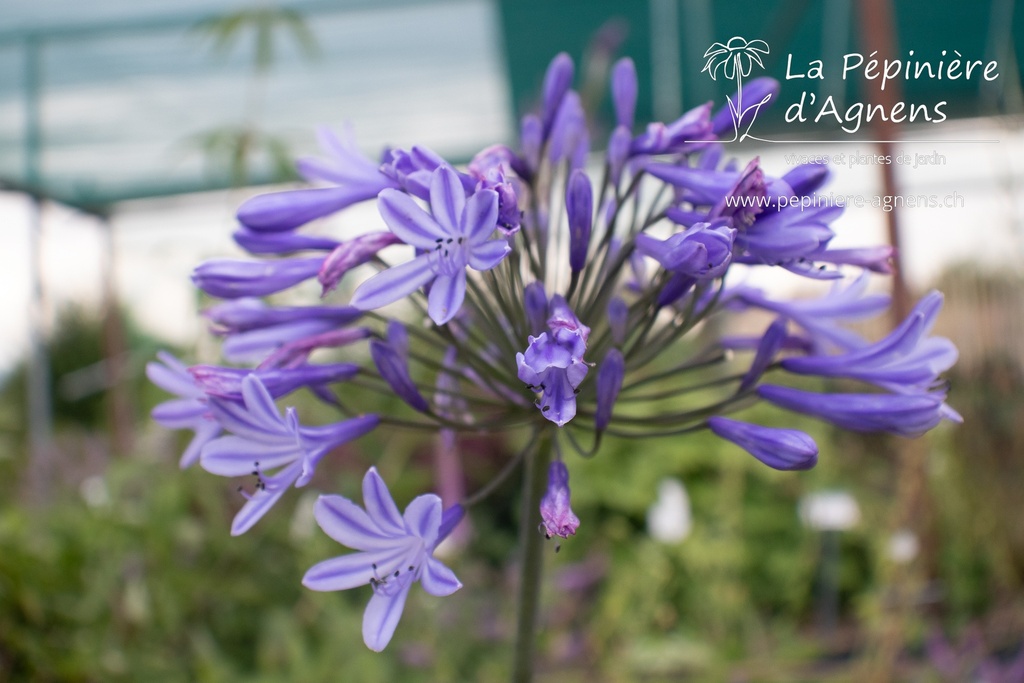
<point>734,59</point>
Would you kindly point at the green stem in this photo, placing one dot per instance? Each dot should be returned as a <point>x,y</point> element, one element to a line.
<point>531,544</point>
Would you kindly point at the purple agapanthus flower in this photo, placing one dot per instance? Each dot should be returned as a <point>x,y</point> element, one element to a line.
<point>905,361</point>
<point>557,517</point>
<point>703,251</point>
<point>553,363</point>
<point>455,234</point>
<point>189,411</point>
<point>393,552</point>
<point>356,178</point>
<point>261,440</point>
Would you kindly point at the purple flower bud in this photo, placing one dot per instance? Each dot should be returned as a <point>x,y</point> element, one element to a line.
<point>450,519</point>
<point>280,243</point>
<point>677,286</point>
<point>568,133</point>
<point>771,343</point>
<point>279,211</point>
<point>807,178</point>
<point>296,353</point>
<point>230,279</point>
<point>624,90</point>
<point>242,315</point>
<point>618,316</point>
<point>536,304</point>
<point>557,517</point>
<point>579,205</point>
<point>557,82</point>
<point>531,138</point>
<point>780,449</point>
<point>618,152</point>
<point>352,253</point>
<point>609,382</point>
<point>394,369</point>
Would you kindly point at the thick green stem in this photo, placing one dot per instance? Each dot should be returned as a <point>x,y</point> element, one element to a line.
<point>531,544</point>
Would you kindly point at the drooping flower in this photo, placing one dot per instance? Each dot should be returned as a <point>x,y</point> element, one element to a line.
<point>261,440</point>
<point>553,363</point>
<point>393,552</point>
<point>557,517</point>
<point>455,234</point>
<point>780,449</point>
<point>703,251</point>
<point>189,411</point>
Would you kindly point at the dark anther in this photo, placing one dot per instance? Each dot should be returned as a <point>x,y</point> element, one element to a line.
<point>545,409</point>
<point>449,240</point>
<point>439,240</point>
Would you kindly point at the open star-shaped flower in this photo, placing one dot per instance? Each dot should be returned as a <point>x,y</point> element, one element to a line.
<point>395,551</point>
<point>454,234</point>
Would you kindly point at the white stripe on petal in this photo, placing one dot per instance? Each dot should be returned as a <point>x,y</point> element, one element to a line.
<point>408,220</point>
<point>446,297</point>
<point>394,283</point>
<point>351,571</point>
<point>489,254</point>
<point>481,217</point>
<point>233,456</point>
<point>447,199</point>
<point>380,506</point>
<point>439,580</point>
<point>381,617</point>
<point>423,517</point>
<point>348,524</point>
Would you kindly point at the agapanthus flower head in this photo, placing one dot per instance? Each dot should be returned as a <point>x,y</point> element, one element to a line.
<point>393,551</point>
<point>500,265</point>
